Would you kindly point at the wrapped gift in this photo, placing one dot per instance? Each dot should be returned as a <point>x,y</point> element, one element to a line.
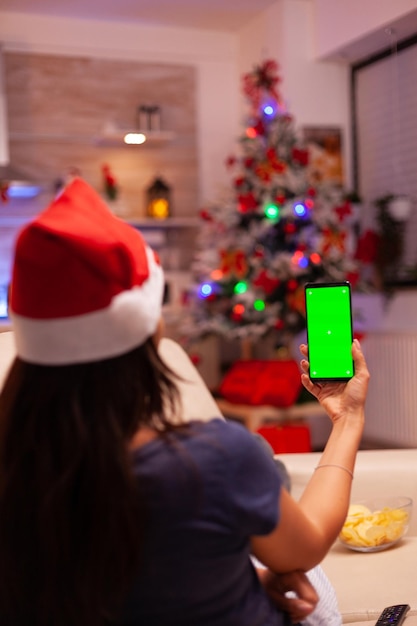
<point>258,382</point>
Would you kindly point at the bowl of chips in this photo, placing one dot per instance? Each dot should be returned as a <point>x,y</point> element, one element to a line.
<point>376,524</point>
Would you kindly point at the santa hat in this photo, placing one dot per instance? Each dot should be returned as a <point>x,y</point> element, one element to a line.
<point>85,286</point>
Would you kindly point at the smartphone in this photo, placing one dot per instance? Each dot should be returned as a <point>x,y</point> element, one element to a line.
<point>329,331</point>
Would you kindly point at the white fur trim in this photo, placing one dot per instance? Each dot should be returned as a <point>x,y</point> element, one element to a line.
<point>130,319</point>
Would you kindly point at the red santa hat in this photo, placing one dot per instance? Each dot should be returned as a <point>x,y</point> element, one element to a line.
<point>85,285</point>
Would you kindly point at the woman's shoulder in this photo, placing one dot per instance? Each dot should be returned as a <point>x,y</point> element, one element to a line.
<point>224,428</point>
<point>231,438</point>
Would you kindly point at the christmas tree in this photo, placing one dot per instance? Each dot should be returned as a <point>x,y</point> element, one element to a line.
<point>278,227</point>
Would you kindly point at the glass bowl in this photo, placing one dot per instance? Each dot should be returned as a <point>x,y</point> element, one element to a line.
<point>376,524</point>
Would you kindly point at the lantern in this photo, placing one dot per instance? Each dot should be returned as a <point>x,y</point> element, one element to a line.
<point>158,197</point>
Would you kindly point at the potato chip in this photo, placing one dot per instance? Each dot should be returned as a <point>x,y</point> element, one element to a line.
<point>364,528</point>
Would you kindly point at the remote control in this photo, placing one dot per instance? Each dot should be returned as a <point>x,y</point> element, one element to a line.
<point>393,615</point>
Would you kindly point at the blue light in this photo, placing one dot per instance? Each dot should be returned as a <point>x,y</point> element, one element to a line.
<point>300,210</point>
<point>206,290</point>
<point>3,302</point>
<point>269,110</point>
<point>22,191</point>
<point>303,262</point>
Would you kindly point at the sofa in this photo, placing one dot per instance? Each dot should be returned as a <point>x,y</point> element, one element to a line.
<point>365,583</point>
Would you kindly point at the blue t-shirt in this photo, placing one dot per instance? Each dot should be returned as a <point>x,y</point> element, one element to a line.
<point>207,492</point>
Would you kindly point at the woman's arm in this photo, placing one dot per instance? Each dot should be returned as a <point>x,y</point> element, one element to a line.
<point>307,529</point>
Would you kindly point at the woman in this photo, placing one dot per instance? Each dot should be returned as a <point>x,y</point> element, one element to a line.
<point>110,513</point>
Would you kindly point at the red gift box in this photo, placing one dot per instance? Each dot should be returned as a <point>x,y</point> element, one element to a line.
<point>257,382</point>
<point>287,437</point>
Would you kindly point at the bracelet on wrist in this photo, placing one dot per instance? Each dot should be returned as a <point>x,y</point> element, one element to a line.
<point>345,469</point>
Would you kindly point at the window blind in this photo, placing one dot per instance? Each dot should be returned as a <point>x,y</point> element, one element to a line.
<point>385,122</point>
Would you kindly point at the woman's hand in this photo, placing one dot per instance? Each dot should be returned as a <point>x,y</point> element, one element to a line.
<point>277,585</point>
<point>339,398</point>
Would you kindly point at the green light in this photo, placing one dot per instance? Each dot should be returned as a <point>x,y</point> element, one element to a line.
<point>259,305</point>
<point>240,287</point>
<point>271,211</point>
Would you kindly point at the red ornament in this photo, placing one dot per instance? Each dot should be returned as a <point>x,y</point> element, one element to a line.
<point>279,324</point>
<point>247,202</point>
<point>290,228</point>
<point>237,312</point>
<point>239,181</point>
<point>276,164</point>
<point>251,132</point>
<point>266,169</point>
<point>230,161</point>
<point>206,215</point>
<point>280,198</point>
<point>292,284</point>
<point>248,163</point>
<point>266,282</point>
<point>233,262</point>
<point>264,172</point>
<point>311,192</point>
<point>315,258</point>
<point>343,210</point>
<point>300,156</point>
<point>259,252</point>
<point>259,128</point>
<point>333,239</point>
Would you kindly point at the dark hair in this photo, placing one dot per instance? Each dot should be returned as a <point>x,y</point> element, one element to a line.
<point>71,516</point>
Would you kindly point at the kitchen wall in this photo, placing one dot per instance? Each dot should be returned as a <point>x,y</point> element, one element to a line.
<point>66,112</point>
<point>212,56</point>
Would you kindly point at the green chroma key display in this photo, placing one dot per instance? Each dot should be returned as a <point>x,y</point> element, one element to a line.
<point>329,331</point>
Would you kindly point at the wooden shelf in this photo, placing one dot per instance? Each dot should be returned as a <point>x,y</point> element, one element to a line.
<point>116,137</point>
<point>170,223</point>
<point>107,138</point>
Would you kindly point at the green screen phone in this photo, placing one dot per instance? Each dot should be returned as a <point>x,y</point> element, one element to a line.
<point>329,331</point>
